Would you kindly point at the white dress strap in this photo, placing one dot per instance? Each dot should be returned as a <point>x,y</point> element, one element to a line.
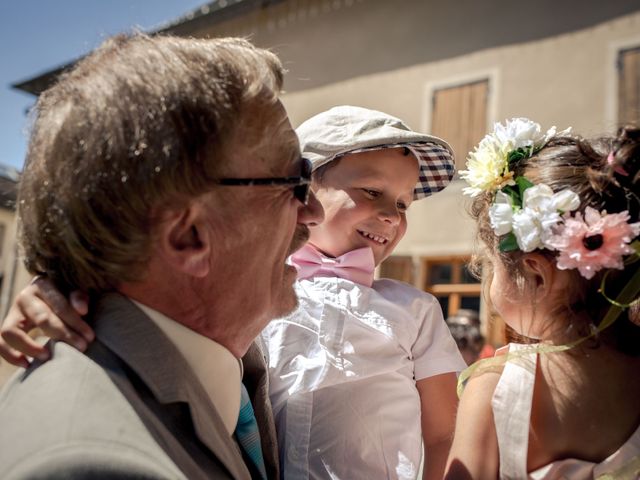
<point>511,405</point>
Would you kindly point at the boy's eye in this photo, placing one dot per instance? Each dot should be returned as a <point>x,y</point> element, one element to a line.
<point>371,193</point>
<point>402,206</point>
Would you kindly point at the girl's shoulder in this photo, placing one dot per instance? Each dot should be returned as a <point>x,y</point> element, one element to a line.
<point>475,442</point>
<point>482,383</point>
<point>482,377</point>
<point>488,368</point>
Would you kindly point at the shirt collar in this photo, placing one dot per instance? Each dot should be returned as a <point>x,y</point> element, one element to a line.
<point>218,370</point>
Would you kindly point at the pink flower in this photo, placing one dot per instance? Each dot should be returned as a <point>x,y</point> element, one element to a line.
<point>600,241</point>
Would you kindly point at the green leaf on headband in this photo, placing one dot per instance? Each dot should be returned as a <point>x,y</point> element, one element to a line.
<point>523,184</point>
<point>509,243</point>
<point>514,194</point>
<point>514,156</point>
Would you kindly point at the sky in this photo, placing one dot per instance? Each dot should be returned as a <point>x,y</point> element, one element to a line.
<point>39,35</point>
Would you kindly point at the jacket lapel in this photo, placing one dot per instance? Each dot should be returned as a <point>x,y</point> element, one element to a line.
<point>133,336</point>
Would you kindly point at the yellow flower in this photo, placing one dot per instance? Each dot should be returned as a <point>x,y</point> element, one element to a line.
<point>487,167</point>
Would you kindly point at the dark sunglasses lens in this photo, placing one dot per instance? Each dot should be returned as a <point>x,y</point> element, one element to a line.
<point>301,192</point>
<point>306,168</point>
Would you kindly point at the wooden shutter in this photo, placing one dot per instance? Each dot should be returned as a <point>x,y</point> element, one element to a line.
<point>459,116</point>
<point>629,86</point>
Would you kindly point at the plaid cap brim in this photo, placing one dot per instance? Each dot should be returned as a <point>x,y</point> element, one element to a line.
<point>437,168</point>
<point>437,165</point>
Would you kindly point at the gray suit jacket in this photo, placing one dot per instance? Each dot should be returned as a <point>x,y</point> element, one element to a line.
<point>128,408</point>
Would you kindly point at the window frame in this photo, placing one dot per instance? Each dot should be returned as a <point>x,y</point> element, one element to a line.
<point>455,290</point>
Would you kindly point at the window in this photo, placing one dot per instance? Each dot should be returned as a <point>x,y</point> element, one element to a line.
<point>459,115</point>
<point>449,280</point>
<point>629,86</point>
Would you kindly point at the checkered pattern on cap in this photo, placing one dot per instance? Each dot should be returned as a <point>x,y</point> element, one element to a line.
<point>436,165</point>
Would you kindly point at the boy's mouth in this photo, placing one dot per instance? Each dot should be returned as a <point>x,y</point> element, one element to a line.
<point>376,238</point>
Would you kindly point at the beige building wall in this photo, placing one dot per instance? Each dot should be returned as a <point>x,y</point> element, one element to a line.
<point>391,56</point>
<point>8,234</point>
<point>568,80</point>
<point>14,275</point>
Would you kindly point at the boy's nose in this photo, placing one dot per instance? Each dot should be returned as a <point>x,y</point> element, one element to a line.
<point>312,213</point>
<point>389,214</point>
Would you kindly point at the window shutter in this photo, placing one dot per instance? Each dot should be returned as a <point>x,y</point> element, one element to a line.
<point>629,87</point>
<point>459,116</point>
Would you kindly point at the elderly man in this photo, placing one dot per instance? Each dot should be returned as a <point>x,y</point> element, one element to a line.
<point>164,178</point>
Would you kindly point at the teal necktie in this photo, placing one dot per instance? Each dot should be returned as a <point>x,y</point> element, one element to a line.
<point>247,432</point>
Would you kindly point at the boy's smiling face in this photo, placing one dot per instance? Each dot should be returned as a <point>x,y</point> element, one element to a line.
<point>365,197</point>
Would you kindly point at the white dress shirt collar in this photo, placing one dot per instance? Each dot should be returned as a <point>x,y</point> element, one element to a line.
<point>219,372</point>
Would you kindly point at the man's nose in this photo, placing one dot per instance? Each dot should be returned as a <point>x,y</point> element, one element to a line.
<point>312,213</point>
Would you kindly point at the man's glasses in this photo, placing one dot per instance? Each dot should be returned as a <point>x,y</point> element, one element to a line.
<point>300,184</point>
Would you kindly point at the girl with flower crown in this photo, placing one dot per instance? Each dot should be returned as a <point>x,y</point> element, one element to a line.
<point>558,217</point>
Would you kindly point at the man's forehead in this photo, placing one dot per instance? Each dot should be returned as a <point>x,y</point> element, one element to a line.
<point>265,148</point>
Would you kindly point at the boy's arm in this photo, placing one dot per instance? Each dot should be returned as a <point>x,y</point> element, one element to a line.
<point>474,453</point>
<point>438,402</point>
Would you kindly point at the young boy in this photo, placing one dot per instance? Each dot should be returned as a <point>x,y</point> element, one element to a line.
<point>363,367</point>
<point>363,371</point>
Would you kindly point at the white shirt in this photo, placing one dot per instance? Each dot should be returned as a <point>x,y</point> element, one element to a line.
<point>342,377</point>
<point>219,372</point>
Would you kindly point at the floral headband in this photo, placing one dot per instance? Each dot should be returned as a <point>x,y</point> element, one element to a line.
<point>530,217</point>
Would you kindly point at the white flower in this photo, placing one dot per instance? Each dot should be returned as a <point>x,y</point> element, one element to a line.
<point>522,133</point>
<point>488,165</point>
<point>541,209</point>
<point>566,200</point>
<point>526,230</point>
<point>501,214</point>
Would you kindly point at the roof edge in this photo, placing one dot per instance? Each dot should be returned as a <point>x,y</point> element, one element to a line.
<point>208,14</point>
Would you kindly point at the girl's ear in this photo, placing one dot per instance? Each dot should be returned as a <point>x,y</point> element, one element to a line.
<point>185,239</point>
<point>540,273</point>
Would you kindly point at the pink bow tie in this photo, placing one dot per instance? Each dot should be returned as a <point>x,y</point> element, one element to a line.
<point>356,266</point>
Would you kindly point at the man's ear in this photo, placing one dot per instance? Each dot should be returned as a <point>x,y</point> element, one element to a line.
<point>184,239</point>
<point>540,273</point>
